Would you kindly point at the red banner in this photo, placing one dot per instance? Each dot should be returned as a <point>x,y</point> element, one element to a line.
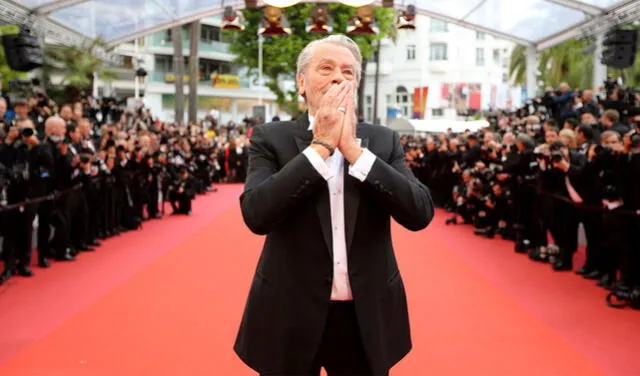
<point>420,95</point>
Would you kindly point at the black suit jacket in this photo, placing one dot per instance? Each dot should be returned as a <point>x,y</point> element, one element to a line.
<point>287,199</point>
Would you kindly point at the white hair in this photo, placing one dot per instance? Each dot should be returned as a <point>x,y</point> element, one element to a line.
<point>341,40</point>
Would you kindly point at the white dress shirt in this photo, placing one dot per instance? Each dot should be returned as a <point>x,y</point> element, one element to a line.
<point>332,170</point>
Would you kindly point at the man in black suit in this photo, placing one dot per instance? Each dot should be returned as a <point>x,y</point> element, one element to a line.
<point>327,292</point>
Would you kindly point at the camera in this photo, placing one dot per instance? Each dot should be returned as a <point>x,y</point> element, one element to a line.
<point>556,156</point>
<point>26,132</point>
<point>84,159</point>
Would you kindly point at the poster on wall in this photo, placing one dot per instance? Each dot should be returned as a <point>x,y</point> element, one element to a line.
<point>461,95</point>
<point>446,96</point>
<point>420,95</point>
<point>494,97</point>
<point>475,96</point>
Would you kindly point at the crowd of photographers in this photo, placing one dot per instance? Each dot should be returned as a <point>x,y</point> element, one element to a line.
<point>536,174</point>
<point>93,169</point>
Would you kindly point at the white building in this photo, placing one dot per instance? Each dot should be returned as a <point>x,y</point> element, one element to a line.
<point>461,69</point>
<point>233,97</point>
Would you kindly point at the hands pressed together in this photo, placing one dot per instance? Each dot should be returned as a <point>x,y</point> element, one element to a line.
<point>335,122</point>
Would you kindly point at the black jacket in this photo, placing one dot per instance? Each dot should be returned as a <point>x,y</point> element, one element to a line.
<point>288,200</point>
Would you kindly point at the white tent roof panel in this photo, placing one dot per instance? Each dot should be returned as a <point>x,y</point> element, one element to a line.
<point>525,21</point>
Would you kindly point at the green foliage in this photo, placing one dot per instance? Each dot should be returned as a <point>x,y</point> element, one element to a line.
<point>567,62</point>
<point>76,66</point>
<point>6,74</point>
<point>280,53</point>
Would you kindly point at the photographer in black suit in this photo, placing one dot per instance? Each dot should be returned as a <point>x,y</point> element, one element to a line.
<point>29,165</point>
<point>563,171</point>
<point>327,292</point>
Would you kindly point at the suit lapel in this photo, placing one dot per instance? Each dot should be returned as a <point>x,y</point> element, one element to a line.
<point>301,134</point>
<point>303,137</point>
<point>351,199</point>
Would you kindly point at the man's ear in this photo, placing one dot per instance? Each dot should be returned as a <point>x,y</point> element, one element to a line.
<point>300,82</point>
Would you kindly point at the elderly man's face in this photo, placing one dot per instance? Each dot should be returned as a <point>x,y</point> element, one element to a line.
<point>330,64</point>
<point>3,108</point>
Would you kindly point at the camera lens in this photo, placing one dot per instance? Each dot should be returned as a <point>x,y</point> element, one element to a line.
<point>26,132</point>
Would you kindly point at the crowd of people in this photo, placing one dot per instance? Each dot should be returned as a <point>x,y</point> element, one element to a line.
<point>93,169</point>
<point>536,174</point>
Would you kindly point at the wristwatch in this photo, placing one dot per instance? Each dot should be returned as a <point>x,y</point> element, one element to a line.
<point>326,145</point>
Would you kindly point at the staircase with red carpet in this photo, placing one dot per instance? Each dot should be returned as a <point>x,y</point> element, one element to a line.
<point>167,300</point>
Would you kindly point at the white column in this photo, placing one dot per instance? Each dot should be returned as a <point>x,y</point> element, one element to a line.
<point>532,68</point>
<point>136,79</point>
<point>599,69</point>
<point>234,110</point>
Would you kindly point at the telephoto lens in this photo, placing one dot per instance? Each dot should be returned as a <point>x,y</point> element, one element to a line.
<point>27,132</point>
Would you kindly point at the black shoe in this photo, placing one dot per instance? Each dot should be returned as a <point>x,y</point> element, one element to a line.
<point>86,248</point>
<point>582,271</point>
<point>24,270</point>
<point>595,274</point>
<point>65,257</point>
<point>606,281</point>
<point>521,247</point>
<point>6,274</point>
<point>43,262</point>
<point>562,266</point>
<point>94,243</point>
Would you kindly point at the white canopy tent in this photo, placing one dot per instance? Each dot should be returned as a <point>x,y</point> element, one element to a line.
<point>538,24</point>
<point>414,126</point>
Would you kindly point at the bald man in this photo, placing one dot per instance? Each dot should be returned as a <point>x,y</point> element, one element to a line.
<point>55,129</point>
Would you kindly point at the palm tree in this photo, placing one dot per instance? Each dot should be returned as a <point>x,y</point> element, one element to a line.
<point>76,67</point>
<point>565,62</point>
<point>518,65</point>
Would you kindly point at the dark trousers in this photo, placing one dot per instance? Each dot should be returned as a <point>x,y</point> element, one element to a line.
<point>619,249</point>
<point>341,352</point>
<point>594,231</point>
<point>564,229</point>
<point>180,202</point>
<point>17,238</point>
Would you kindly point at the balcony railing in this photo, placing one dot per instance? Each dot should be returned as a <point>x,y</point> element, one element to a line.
<point>161,40</point>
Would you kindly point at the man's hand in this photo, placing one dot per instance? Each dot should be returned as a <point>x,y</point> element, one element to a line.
<point>64,148</point>
<point>329,119</point>
<point>563,165</point>
<point>348,145</point>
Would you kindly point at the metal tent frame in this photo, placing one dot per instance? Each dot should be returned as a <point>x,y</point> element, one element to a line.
<point>537,23</point>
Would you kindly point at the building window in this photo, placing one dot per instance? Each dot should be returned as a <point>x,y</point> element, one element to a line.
<point>411,52</point>
<point>480,35</point>
<point>480,57</point>
<point>496,56</point>
<point>438,26</point>
<point>368,99</point>
<point>438,52</point>
<point>403,100</point>
<point>389,99</point>
<point>437,112</point>
<point>209,33</point>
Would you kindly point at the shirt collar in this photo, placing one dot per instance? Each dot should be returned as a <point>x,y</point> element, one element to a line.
<point>311,122</point>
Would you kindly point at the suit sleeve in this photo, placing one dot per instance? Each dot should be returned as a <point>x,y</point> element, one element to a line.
<point>398,191</point>
<point>271,192</point>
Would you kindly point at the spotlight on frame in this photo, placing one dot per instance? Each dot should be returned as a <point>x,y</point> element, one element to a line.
<point>273,23</point>
<point>232,19</point>
<point>319,20</point>
<point>407,18</point>
<point>363,22</point>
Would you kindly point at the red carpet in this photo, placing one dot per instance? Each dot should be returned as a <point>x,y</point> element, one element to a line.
<point>167,300</point>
